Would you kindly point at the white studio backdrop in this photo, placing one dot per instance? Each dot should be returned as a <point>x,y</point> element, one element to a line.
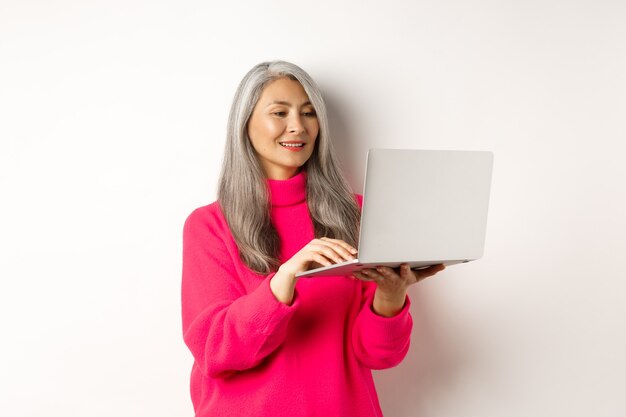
<point>112,125</point>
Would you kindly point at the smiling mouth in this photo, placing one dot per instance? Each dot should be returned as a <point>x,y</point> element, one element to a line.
<point>292,145</point>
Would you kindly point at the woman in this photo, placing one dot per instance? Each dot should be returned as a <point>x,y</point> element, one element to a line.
<point>264,342</point>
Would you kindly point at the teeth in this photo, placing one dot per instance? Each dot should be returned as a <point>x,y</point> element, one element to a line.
<point>292,145</point>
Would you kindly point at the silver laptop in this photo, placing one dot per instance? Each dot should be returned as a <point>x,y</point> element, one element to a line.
<point>421,207</point>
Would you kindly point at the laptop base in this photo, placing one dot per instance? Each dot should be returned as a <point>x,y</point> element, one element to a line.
<point>347,268</point>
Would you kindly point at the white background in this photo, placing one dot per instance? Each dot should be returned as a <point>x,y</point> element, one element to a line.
<point>112,125</point>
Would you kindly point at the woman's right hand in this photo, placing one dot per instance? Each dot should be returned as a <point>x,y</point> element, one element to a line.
<point>319,252</point>
<point>324,251</point>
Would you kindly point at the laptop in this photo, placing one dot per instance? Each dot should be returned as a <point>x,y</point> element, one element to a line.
<point>421,207</point>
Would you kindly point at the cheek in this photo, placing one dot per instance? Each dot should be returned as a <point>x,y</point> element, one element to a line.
<point>262,129</point>
<point>313,129</point>
<point>270,128</point>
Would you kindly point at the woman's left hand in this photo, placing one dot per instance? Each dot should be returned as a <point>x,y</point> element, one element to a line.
<point>393,283</point>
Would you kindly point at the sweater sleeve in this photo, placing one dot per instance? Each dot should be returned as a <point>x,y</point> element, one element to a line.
<point>226,328</point>
<point>380,342</point>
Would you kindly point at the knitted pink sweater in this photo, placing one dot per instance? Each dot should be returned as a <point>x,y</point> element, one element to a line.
<point>255,356</point>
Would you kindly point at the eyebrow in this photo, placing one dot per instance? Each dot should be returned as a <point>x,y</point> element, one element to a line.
<point>286,103</point>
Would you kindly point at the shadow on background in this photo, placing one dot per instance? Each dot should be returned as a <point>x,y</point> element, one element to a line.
<point>424,381</point>
<point>349,150</point>
<point>430,370</point>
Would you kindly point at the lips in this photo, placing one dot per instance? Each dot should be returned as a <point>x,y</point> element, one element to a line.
<point>292,144</point>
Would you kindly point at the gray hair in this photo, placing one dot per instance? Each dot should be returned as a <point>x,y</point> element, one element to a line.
<point>243,193</point>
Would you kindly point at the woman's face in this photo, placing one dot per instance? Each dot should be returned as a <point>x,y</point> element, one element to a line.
<point>283,116</point>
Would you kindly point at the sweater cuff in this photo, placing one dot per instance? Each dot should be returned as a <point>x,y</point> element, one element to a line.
<point>389,327</point>
<point>273,313</point>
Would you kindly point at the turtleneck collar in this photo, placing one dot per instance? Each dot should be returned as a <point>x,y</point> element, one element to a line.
<point>288,192</point>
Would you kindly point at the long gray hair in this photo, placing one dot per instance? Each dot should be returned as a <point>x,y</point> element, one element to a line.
<point>243,193</point>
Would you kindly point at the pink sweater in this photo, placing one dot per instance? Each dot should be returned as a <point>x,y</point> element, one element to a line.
<point>255,356</point>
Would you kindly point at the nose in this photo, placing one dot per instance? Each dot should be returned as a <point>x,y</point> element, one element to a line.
<point>295,125</point>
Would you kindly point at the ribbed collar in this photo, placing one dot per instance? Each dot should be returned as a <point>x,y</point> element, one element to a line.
<point>288,192</point>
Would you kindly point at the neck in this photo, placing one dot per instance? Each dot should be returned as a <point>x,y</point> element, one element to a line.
<point>282,174</point>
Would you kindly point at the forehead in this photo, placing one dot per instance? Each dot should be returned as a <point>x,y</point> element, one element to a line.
<point>284,90</point>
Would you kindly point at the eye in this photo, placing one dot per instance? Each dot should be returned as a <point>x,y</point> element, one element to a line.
<point>279,113</point>
<point>309,114</point>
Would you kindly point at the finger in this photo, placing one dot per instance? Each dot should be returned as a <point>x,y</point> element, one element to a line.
<point>387,272</point>
<point>331,253</point>
<point>321,260</point>
<point>428,272</point>
<point>337,248</point>
<point>406,272</point>
<point>325,251</point>
<point>362,276</point>
<point>341,243</point>
<point>373,274</point>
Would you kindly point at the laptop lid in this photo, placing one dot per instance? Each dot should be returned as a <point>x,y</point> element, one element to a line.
<point>421,207</point>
